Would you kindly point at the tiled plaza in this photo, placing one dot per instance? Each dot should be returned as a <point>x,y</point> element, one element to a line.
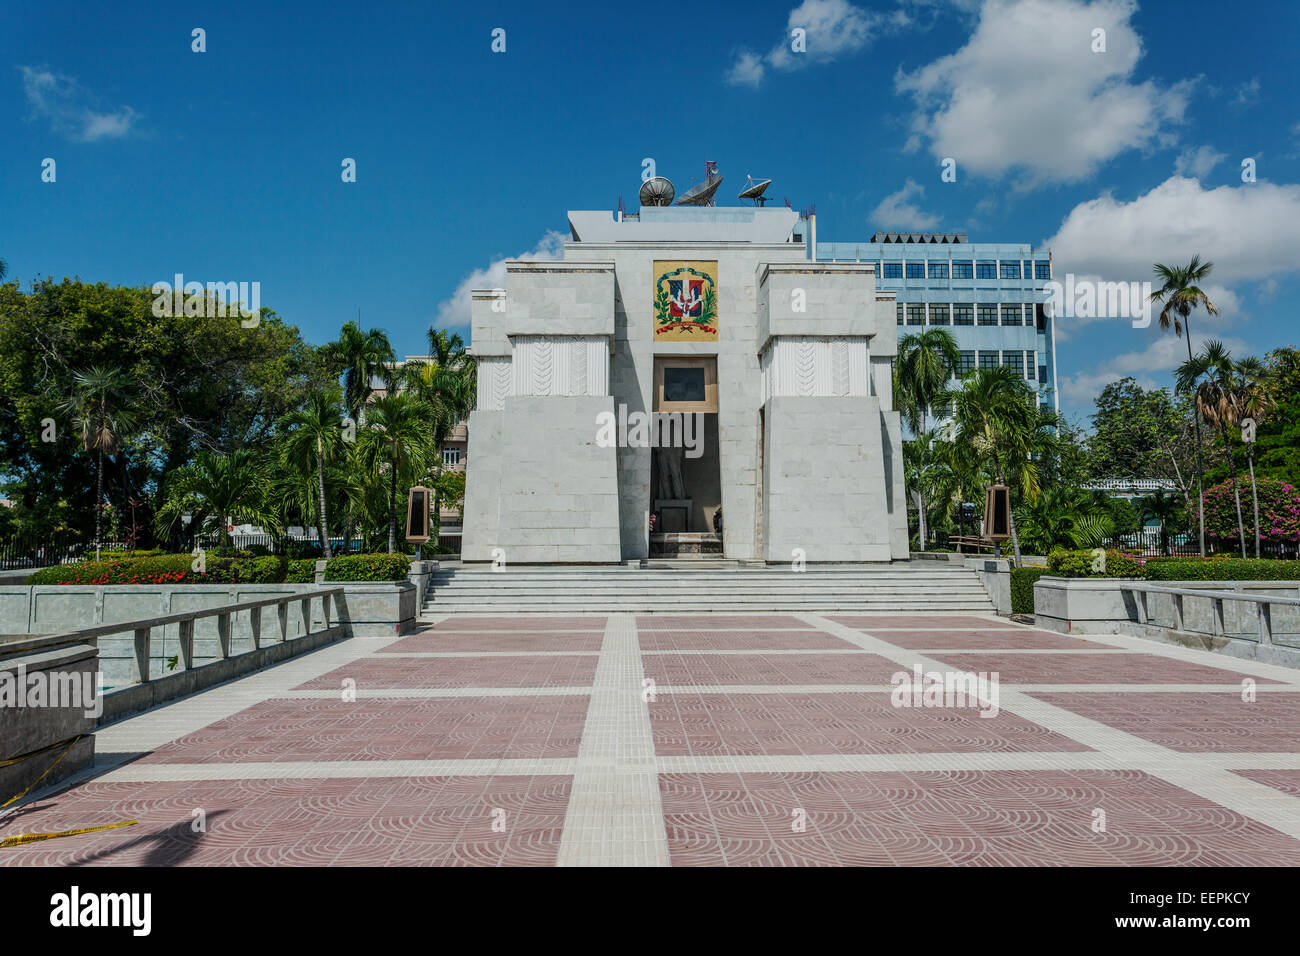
<point>700,740</point>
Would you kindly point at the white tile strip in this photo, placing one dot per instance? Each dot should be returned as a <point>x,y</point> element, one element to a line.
<point>615,816</point>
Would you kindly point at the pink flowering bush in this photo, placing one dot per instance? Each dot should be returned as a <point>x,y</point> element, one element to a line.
<point>1279,510</point>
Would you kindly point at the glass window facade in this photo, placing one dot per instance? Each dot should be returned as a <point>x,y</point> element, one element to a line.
<point>893,270</point>
<point>988,360</point>
<point>939,314</point>
<point>1042,270</point>
<point>963,313</point>
<point>963,270</point>
<point>988,315</point>
<point>916,270</point>
<point>967,363</point>
<point>1011,315</point>
<point>938,270</point>
<point>1010,270</point>
<point>915,313</point>
<point>986,269</point>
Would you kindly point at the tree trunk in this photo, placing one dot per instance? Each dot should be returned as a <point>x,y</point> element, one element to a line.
<point>324,517</point>
<point>1254,492</point>
<point>1200,468</point>
<point>392,506</point>
<point>1236,489</point>
<point>99,498</point>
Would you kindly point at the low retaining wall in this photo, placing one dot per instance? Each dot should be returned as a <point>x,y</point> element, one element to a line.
<point>367,609</point>
<point>26,731</point>
<point>1101,606</point>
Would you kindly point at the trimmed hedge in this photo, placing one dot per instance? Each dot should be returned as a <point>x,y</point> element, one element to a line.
<point>301,571</point>
<point>1078,564</point>
<point>368,567</point>
<point>1022,589</point>
<point>165,569</point>
<point>1222,569</point>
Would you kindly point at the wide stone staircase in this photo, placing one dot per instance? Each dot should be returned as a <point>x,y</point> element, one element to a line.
<point>701,586</point>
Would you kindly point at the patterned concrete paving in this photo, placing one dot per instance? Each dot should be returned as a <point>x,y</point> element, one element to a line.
<point>701,740</point>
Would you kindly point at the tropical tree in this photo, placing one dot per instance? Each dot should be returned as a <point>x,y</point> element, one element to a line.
<point>997,416</point>
<point>1254,399</point>
<point>1211,378</point>
<point>1063,517</point>
<point>1178,296</point>
<point>398,434</point>
<point>101,407</point>
<point>924,469</point>
<point>312,438</point>
<point>1163,508</point>
<point>215,488</point>
<point>925,364</point>
<point>359,357</point>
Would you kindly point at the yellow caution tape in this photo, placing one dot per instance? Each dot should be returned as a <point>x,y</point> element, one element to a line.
<point>71,743</point>
<point>37,837</point>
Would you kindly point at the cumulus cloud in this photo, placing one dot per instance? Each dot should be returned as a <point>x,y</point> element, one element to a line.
<point>1028,94</point>
<point>455,310</point>
<point>897,211</point>
<point>1249,231</point>
<point>1149,366</point>
<point>1247,93</point>
<point>71,109</point>
<point>832,28</point>
<point>1198,162</point>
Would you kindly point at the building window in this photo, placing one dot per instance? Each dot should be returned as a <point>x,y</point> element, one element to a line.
<point>967,363</point>
<point>916,313</point>
<point>1011,315</point>
<point>1010,270</point>
<point>988,360</point>
<point>939,315</point>
<point>1040,317</point>
<point>986,269</point>
<point>1042,270</point>
<point>893,270</point>
<point>938,270</point>
<point>1042,373</point>
<point>451,457</point>
<point>1015,360</point>
<point>963,313</point>
<point>900,313</point>
<point>1030,365</point>
<point>916,270</point>
<point>988,314</point>
<point>963,270</point>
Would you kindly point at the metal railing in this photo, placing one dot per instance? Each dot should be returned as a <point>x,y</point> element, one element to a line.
<point>143,628</point>
<point>1263,610</point>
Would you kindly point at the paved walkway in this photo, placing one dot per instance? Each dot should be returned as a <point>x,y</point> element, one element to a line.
<point>701,740</point>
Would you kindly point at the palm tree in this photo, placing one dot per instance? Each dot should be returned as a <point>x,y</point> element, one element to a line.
<point>1160,507</point>
<point>214,488</point>
<point>4,268</point>
<point>924,469</point>
<point>997,416</point>
<point>102,410</point>
<point>312,437</point>
<point>359,356</point>
<point>398,433</point>
<point>1254,398</point>
<point>926,362</point>
<point>1064,516</point>
<point>1179,295</point>
<point>1210,378</point>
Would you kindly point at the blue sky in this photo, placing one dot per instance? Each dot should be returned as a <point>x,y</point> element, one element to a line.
<point>225,165</point>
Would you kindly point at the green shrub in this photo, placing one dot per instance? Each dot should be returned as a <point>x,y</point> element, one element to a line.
<point>165,569</point>
<point>368,567</point>
<point>1222,569</point>
<point>1078,564</point>
<point>1022,589</point>
<point>114,555</point>
<point>302,571</point>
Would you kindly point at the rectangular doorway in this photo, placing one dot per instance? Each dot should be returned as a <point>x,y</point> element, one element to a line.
<point>685,464</point>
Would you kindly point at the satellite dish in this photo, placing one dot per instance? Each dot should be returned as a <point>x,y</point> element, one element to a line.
<point>754,190</point>
<point>702,193</point>
<point>656,191</point>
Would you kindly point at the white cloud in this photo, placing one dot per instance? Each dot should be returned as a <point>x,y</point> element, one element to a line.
<point>1149,366</point>
<point>896,212</point>
<point>832,28</point>
<point>1027,92</point>
<point>1198,162</point>
<point>71,109</point>
<point>455,311</point>
<point>1249,232</point>
<point>1247,93</point>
